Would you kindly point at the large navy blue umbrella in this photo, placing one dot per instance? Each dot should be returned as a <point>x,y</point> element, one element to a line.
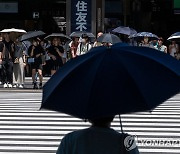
<point>110,81</point>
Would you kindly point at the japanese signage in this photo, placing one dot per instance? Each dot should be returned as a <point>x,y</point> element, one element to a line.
<point>80,15</point>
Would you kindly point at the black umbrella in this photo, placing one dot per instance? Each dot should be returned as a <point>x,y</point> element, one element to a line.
<point>31,35</point>
<point>59,35</point>
<point>108,38</point>
<point>124,30</point>
<point>109,81</point>
<point>79,34</point>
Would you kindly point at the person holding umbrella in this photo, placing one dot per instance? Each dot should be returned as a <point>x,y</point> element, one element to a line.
<point>173,48</point>
<point>7,59</point>
<point>84,45</point>
<point>98,138</point>
<point>96,43</point>
<point>160,45</point>
<point>1,65</point>
<point>36,52</point>
<point>139,83</point>
<point>146,43</point>
<point>73,46</point>
<point>56,54</point>
<point>19,65</point>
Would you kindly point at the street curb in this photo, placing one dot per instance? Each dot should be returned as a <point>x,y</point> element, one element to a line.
<point>21,90</point>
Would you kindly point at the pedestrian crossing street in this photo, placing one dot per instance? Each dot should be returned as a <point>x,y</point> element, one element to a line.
<point>26,129</point>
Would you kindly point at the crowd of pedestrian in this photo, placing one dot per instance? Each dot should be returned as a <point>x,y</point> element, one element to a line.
<point>40,57</point>
<point>158,44</point>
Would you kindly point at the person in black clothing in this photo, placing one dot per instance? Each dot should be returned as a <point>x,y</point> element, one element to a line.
<point>1,66</point>
<point>56,53</point>
<point>36,51</point>
<point>7,53</point>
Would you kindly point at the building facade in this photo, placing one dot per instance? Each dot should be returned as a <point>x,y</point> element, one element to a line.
<point>47,15</point>
<point>157,16</point>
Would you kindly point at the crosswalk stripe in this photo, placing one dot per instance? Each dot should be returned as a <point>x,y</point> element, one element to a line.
<point>26,129</point>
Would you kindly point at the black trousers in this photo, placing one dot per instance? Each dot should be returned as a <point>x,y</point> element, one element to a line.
<point>7,72</point>
<point>1,72</point>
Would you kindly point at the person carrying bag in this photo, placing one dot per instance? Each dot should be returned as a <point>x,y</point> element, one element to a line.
<point>7,51</point>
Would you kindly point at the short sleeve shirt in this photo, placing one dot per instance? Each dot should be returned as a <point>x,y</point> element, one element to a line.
<point>93,140</point>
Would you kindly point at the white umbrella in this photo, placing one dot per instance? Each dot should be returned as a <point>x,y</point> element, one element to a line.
<point>13,30</point>
<point>174,37</point>
<point>14,33</point>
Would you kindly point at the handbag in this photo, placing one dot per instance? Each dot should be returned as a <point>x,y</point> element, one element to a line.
<point>30,60</point>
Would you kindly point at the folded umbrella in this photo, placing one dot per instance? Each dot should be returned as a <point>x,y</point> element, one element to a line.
<point>110,81</point>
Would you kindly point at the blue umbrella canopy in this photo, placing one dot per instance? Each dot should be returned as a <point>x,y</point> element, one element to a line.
<point>141,35</point>
<point>109,81</point>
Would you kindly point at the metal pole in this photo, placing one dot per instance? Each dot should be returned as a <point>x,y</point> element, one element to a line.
<point>120,123</point>
<point>125,12</point>
<point>68,17</point>
<point>93,17</point>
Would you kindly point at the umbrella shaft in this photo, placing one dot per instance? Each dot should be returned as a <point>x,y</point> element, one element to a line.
<point>120,123</point>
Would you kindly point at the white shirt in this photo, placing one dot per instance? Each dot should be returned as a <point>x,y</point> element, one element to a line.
<point>162,48</point>
<point>173,50</point>
<point>83,48</point>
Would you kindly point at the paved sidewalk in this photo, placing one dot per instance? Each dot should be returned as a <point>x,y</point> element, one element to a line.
<point>28,87</point>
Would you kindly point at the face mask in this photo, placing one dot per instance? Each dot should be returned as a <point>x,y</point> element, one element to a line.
<point>83,40</point>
